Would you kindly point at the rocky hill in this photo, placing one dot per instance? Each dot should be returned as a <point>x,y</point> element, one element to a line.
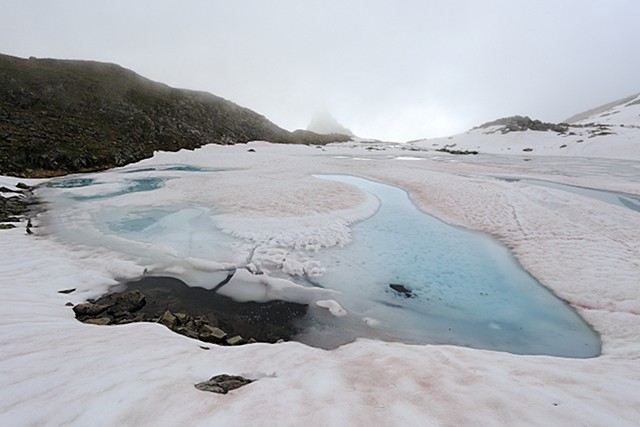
<point>62,116</point>
<point>523,123</point>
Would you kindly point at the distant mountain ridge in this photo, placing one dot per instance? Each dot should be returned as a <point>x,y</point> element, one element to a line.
<point>64,116</point>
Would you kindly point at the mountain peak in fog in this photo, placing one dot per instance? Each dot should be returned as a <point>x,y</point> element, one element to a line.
<point>324,123</point>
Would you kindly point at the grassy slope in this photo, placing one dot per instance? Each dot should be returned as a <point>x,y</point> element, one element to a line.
<point>61,116</point>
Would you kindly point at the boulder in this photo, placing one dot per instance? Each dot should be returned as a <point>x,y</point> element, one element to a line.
<point>130,301</point>
<point>169,320</point>
<point>223,383</point>
<point>182,318</point>
<point>235,340</point>
<point>212,334</point>
<point>90,309</point>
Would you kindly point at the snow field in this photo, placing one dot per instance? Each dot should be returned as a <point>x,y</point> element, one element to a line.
<point>57,371</point>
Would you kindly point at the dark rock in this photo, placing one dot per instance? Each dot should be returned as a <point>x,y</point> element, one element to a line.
<point>182,318</point>
<point>462,152</point>
<point>90,309</point>
<point>212,334</point>
<point>23,186</point>
<point>169,320</point>
<point>66,291</point>
<point>223,383</point>
<point>251,150</point>
<point>104,320</point>
<point>235,340</point>
<point>187,332</point>
<point>402,290</point>
<point>130,301</point>
<point>7,226</point>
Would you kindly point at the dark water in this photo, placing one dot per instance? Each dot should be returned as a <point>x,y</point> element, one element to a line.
<point>264,322</point>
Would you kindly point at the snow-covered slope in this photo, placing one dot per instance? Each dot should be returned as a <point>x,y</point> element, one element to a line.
<point>605,113</point>
<point>57,371</point>
<point>610,131</point>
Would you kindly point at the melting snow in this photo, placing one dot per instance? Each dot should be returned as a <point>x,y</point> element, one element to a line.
<point>57,371</point>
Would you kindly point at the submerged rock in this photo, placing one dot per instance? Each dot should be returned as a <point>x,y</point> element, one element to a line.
<point>402,290</point>
<point>130,301</point>
<point>223,383</point>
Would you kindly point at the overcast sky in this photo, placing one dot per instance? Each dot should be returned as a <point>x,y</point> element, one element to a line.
<point>393,70</point>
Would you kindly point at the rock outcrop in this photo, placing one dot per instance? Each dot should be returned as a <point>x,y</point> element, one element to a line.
<point>523,123</point>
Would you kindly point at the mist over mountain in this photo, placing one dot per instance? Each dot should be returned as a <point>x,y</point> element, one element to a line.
<point>324,123</point>
<point>63,116</point>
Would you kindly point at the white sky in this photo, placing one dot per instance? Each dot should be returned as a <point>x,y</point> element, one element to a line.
<point>395,70</point>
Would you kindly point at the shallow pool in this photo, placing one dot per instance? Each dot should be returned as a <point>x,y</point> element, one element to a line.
<point>455,286</point>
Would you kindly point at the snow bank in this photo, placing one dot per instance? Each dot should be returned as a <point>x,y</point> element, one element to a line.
<point>57,371</point>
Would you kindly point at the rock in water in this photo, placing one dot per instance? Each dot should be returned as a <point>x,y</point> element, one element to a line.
<point>402,290</point>
<point>223,383</point>
<point>130,301</point>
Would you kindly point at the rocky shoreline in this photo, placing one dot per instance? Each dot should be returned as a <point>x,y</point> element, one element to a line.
<point>16,205</point>
<point>194,312</point>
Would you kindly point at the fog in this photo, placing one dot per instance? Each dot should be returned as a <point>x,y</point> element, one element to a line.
<point>393,70</point>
